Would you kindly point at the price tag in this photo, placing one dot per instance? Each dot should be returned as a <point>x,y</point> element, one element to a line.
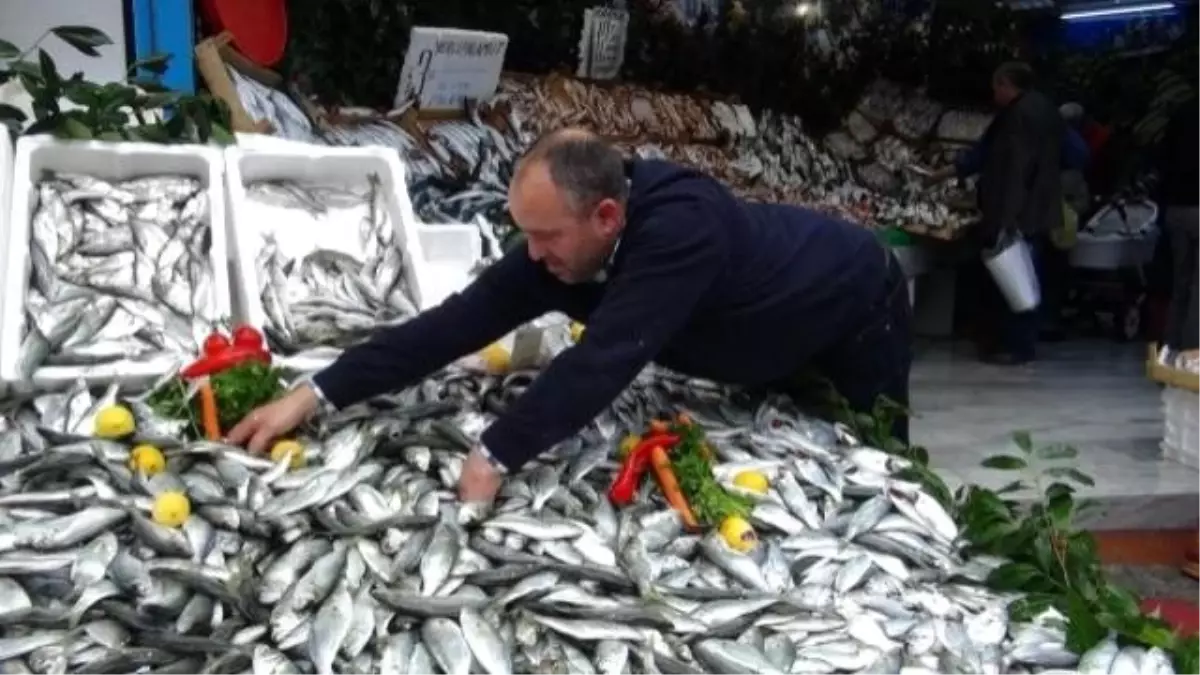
<point>602,43</point>
<point>446,66</point>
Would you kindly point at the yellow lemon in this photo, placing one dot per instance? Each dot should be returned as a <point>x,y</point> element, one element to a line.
<point>576,331</point>
<point>738,534</point>
<point>496,358</point>
<point>115,421</point>
<point>147,459</point>
<point>171,509</point>
<point>754,481</point>
<point>292,448</point>
<point>628,444</point>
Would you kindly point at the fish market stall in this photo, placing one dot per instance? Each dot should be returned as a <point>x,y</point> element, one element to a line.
<point>796,550</point>
<point>326,247</point>
<point>115,264</point>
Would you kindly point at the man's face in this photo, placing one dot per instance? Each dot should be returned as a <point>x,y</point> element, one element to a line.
<point>572,245</point>
<point>1002,91</point>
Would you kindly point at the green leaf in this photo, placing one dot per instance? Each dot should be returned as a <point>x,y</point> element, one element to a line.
<point>1004,462</point>
<point>112,136</point>
<point>157,100</point>
<point>1084,628</point>
<point>1016,576</point>
<point>1070,473</point>
<point>1120,602</point>
<point>1061,510</point>
<point>84,39</point>
<point>1023,441</point>
<point>1056,451</point>
<point>26,68</point>
<point>222,136</point>
<point>50,76</point>
<point>1056,489</point>
<point>1026,608</point>
<point>1043,554</point>
<point>147,84</point>
<point>155,63</point>
<point>8,50</point>
<point>1186,655</point>
<point>12,113</point>
<point>73,128</point>
<point>1014,486</point>
<point>993,532</point>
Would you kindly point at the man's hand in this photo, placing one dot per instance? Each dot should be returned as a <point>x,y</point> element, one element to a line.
<point>480,481</point>
<point>265,424</point>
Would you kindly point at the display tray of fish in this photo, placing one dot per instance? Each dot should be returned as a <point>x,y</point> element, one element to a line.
<point>327,248</point>
<point>117,261</point>
<point>199,557</point>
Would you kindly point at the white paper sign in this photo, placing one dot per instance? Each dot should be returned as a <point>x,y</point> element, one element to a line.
<point>445,66</point>
<point>602,44</point>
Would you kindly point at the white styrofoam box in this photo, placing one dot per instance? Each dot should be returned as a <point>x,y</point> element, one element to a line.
<point>108,161</point>
<point>6,160</point>
<point>1181,426</point>
<point>313,164</point>
<point>451,252</point>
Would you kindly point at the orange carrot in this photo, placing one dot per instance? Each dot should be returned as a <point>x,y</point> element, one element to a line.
<point>670,487</point>
<point>658,427</point>
<point>208,412</point>
<point>685,419</point>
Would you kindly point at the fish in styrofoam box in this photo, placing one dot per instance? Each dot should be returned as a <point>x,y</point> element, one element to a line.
<point>314,193</point>
<point>122,323</point>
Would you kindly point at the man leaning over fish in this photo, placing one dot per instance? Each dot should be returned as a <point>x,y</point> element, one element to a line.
<point>663,264</point>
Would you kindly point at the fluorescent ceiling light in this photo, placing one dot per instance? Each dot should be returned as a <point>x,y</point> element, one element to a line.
<point>1118,10</point>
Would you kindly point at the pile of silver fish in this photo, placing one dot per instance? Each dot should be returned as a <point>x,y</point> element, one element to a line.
<point>364,560</point>
<point>118,271</point>
<point>342,288</point>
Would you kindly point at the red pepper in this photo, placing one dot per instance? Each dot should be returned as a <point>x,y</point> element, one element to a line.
<point>220,354</point>
<point>215,344</point>
<point>245,335</point>
<point>625,487</point>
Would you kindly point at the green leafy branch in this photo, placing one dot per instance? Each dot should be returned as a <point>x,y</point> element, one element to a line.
<point>1049,561</point>
<point>105,110</point>
<point>1054,564</point>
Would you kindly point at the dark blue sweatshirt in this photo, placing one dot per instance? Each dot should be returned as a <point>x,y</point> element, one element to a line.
<point>702,283</point>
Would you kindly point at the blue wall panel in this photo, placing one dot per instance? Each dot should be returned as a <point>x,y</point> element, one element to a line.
<point>167,27</point>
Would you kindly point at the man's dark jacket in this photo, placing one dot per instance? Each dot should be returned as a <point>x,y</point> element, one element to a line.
<point>1020,185</point>
<point>1178,167</point>
<point>701,282</point>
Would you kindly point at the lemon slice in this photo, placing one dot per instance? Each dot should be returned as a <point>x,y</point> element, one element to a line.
<point>115,421</point>
<point>289,448</point>
<point>171,509</point>
<point>577,331</point>
<point>753,481</point>
<point>738,534</point>
<point>496,358</point>
<point>147,459</point>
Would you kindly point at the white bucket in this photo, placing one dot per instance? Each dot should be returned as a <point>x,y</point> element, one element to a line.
<point>1012,269</point>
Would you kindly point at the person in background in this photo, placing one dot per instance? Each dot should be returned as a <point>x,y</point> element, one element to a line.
<point>664,265</point>
<point>1018,160</point>
<point>1179,194</point>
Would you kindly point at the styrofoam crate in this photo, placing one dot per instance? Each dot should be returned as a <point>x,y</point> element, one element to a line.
<point>6,168</point>
<point>316,165</point>
<point>451,253</point>
<point>1181,426</point>
<point>107,161</point>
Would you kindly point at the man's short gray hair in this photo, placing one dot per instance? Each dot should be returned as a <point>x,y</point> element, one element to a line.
<point>1016,73</point>
<point>587,168</point>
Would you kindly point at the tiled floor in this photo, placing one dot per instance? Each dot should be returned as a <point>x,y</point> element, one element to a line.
<point>1093,395</point>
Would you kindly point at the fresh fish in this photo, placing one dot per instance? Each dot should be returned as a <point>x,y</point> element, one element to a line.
<point>121,272</point>
<point>364,561</point>
<point>319,288</point>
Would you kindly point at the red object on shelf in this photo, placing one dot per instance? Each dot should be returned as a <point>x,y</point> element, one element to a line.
<point>1184,616</point>
<point>258,27</point>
